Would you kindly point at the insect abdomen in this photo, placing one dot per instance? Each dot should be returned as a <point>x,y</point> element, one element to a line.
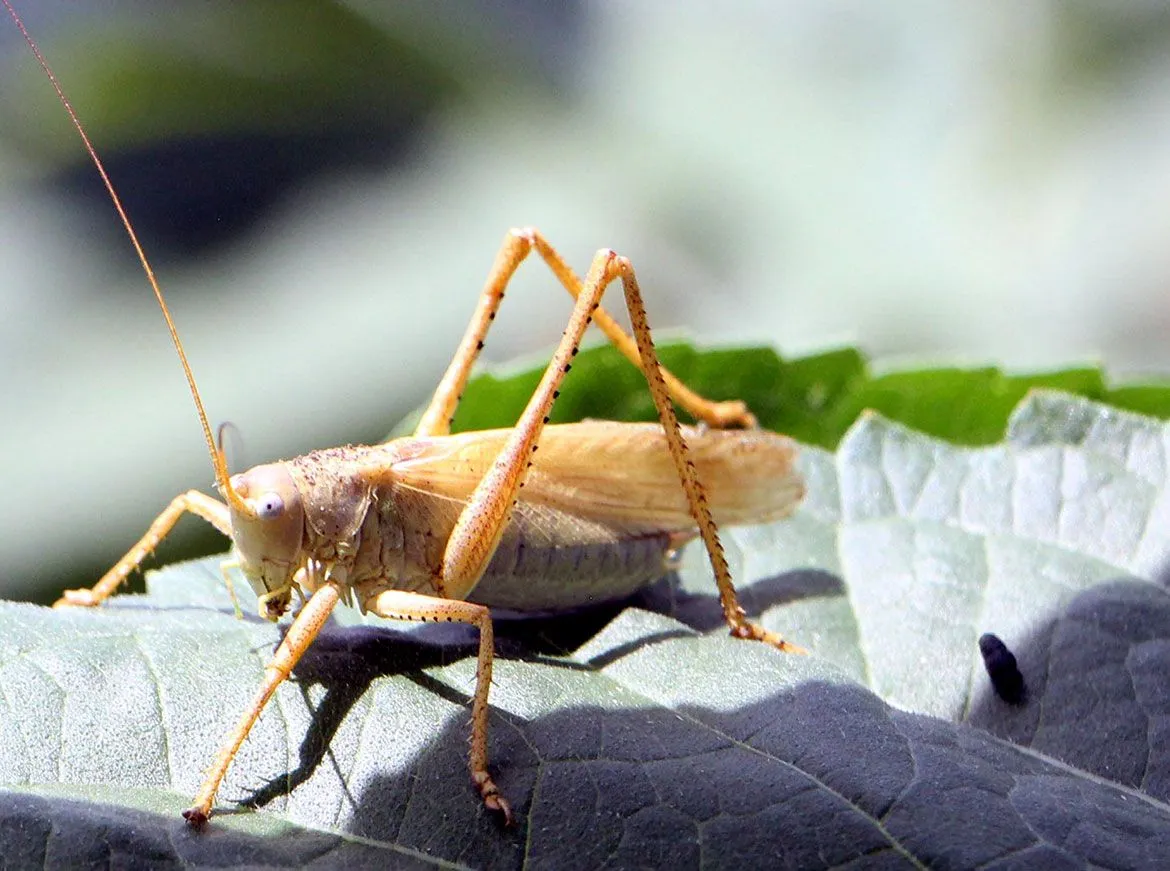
<point>549,560</point>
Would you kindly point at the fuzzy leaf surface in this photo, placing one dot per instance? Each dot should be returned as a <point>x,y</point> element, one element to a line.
<point>643,735</point>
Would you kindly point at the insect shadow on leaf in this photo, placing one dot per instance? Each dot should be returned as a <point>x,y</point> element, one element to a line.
<point>346,661</point>
<point>700,609</point>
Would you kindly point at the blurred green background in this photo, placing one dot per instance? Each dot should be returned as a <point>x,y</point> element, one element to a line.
<point>324,185</point>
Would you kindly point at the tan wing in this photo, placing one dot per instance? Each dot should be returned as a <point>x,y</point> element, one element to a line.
<point>621,473</point>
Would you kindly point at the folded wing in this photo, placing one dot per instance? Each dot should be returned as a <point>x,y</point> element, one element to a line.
<point>622,474</point>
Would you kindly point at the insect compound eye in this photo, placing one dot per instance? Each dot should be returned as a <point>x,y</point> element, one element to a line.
<point>269,505</point>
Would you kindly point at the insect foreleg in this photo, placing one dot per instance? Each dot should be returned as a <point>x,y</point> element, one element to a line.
<point>301,634</point>
<point>436,420</point>
<point>211,510</point>
<point>225,570</point>
<point>401,605</point>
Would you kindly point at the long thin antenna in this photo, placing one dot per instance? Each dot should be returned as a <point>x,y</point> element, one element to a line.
<point>222,478</point>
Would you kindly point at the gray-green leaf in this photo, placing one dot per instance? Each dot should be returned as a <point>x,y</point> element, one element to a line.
<point>645,736</point>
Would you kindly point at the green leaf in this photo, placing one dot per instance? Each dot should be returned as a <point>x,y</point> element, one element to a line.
<point>644,736</point>
<point>814,399</point>
<point>791,397</point>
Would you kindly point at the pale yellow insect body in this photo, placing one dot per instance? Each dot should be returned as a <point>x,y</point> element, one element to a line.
<point>438,527</point>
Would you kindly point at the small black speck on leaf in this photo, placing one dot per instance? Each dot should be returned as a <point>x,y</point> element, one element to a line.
<point>1002,669</point>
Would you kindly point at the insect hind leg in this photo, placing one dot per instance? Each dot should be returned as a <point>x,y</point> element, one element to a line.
<point>480,526</point>
<point>733,613</point>
<point>481,523</point>
<point>516,247</point>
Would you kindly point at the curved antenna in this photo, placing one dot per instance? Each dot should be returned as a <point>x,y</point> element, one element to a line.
<point>222,479</point>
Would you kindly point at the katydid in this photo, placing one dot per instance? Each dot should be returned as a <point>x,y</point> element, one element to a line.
<point>442,527</point>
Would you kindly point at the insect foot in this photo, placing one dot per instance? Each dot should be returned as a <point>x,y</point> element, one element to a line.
<point>754,632</point>
<point>732,414</point>
<point>77,599</point>
<point>492,799</point>
<point>196,818</point>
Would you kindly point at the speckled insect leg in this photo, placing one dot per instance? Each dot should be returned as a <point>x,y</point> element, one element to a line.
<point>732,413</point>
<point>436,420</point>
<point>402,605</point>
<point>517,245</point>
<point>211,510</point>
<point>480,525</point>
<point>733,613</point>
<point>301,634</point>
<point>477,532</point>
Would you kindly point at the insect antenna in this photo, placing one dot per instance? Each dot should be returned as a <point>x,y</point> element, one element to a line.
<point>218,461</point>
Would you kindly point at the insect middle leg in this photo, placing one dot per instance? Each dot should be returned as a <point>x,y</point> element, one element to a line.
<point>403,605</point>
<point>516,246</point>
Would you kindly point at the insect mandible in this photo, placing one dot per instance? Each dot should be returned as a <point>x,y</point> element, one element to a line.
<point>432,527</point>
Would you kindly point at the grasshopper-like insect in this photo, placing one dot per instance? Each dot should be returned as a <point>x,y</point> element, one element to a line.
<point>440,527</point>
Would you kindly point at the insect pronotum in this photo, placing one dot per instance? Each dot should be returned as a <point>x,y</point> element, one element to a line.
<point>431,527</point>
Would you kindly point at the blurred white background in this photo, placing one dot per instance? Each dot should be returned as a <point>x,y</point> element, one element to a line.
<point>968,182</point>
